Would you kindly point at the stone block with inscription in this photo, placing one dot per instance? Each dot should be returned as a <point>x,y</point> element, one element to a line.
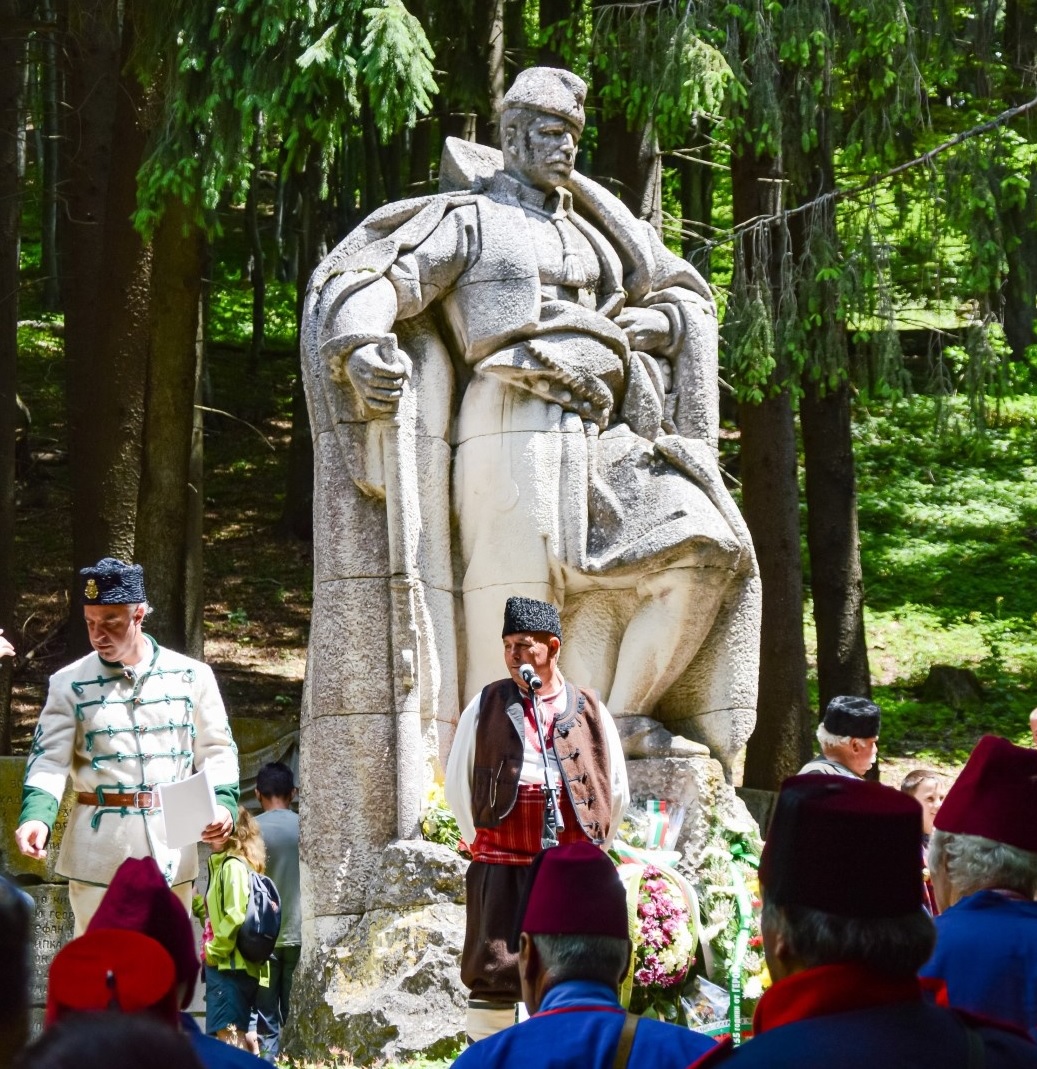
<point>12,862</point>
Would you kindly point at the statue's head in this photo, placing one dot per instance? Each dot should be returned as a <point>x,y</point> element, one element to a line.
<point>541,123</point>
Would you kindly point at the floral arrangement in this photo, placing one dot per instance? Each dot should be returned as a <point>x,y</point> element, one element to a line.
<point>664,946</point>
<point>663,910</point>
<point>729,885</point>
<point>437,821</point>
<point>718,902</point>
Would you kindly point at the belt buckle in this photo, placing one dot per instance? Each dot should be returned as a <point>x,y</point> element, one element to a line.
<point>138,804</point>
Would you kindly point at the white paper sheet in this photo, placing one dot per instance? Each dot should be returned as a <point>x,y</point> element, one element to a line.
<point>188,807</point>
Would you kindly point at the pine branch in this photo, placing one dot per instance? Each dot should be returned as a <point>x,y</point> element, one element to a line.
<point>848,194</point>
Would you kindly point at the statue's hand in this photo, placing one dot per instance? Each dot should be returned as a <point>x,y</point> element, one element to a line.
<point>378,371</point>
<point>647,329</point>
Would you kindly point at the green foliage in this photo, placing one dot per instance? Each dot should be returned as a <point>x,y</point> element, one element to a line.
<point>948,525</point>
<point>230,313</point>
<point>438,823</point>
<point>396,65</point>
<point>294,74</point>
<point>656,67</point>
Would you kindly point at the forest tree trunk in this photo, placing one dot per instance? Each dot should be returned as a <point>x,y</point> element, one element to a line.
<point>12,82</point>
<point>696,192</point>
<point>770,501</point>
<point>628,162</point>
<point>297,517</point>
<point>256,263</point>
<point>495,66</point>
<point>107,273</point>
<point>833,538</point>
<point>165,502</point>
<point>824,411</point>
<point>1020,220</point>
<point>50,85</point>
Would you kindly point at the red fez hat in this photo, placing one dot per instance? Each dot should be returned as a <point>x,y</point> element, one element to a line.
<point>843,846</point>
<point>139,899</point>
<point>995,796</point>
<point>572,889</point>
<point>108,969</point>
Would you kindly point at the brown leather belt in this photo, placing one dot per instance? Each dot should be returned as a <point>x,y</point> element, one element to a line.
<point>130,799</point>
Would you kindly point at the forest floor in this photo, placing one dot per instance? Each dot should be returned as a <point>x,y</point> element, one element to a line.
<point>257,577</point>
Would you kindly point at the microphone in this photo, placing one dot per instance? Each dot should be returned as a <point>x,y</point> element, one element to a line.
<point>529,677</point>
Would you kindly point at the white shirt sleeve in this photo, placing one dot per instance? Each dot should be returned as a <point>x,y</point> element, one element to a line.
<point>460,767</point>
<point>618,764</point>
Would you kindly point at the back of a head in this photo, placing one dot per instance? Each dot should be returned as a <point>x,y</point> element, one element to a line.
<point>16,909</point>
<point>138,899</point>
<point>247,840</point>
<point>588,942</point>
<point>984,835</point>
<point>109,1038</point>
<point>275,780</point>
<point>840,875</point>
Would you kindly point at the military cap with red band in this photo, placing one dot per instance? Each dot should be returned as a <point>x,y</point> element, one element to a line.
<point>843,846</point>
<point>995,796</point>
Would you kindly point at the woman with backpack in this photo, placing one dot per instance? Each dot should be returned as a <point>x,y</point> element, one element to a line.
<point>231,980</point>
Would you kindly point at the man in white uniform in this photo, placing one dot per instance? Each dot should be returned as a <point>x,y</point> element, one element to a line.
<point>122,720</point>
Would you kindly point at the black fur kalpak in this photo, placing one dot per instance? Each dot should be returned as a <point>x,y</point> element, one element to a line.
<point>528,614</point>
<point>113,582</point>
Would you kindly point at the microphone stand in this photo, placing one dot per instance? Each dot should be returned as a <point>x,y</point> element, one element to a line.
<point>553,822</point>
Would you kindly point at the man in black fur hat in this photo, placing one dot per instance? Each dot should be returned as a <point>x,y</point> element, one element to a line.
<point>121,721</point>
<point>495,785</point>
<point>849,738</point>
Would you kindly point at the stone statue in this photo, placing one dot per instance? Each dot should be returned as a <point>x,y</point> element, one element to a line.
<point>512,387</point>
<point>527,377</point>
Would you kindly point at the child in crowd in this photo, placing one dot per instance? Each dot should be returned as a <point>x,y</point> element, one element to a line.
<point>927,788</point>
<point>231,982</point>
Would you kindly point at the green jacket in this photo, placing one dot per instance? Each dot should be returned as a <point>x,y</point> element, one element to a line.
<point>226,901</point>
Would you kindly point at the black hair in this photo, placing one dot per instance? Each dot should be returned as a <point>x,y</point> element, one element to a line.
<point>275,780</point>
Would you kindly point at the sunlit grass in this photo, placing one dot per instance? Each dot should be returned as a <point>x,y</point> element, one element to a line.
<point>948,520</point>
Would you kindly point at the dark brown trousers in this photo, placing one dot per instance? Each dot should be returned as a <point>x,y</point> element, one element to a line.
<point>488,969</point>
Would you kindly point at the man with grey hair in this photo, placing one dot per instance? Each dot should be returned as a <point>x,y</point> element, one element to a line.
<point>572,938</point>
<point>120,721</point>
<point>983,864</point>
<point>849,735</point>
<point>844,935</point>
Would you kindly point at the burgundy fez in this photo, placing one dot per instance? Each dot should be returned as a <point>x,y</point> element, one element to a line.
<point>139,900</point>
<point>843,846</point>
<point>573,889</point>
<point>995,796</point>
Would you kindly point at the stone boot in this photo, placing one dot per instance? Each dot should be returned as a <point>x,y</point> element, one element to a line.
<point>644,737</point>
